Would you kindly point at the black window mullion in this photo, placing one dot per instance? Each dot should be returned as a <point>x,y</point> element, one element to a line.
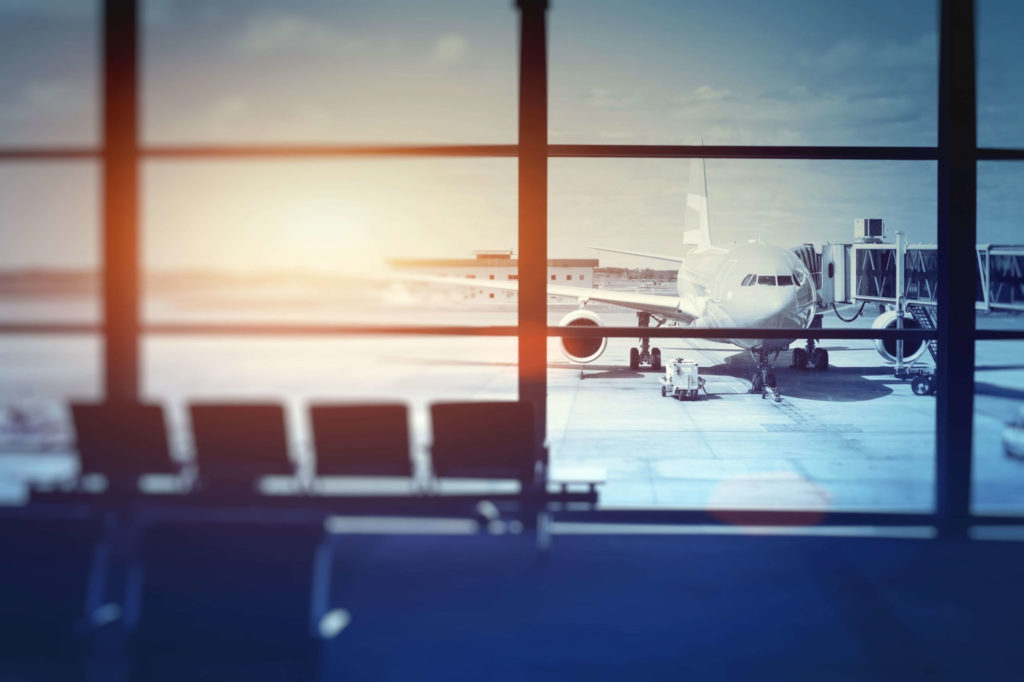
<point>120,201</point>
<point>533,210</point>
<point>957,236</point>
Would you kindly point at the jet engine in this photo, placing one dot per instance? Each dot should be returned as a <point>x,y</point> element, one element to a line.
<point>579,349</point>
<point>912,349</point>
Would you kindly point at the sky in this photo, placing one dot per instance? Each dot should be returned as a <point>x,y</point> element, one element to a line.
<point>643,71</point>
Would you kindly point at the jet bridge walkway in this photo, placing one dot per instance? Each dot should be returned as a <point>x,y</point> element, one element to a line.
<point>904,278</point>
<point>855,273</point>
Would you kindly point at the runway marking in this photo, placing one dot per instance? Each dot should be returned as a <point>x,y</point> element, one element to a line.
<point>812,428</point>
<point>803,424</point>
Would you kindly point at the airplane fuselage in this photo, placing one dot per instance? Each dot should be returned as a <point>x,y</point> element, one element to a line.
<point>749,285</point>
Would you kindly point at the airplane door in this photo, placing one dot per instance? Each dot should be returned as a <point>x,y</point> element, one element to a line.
<point>722,281</point>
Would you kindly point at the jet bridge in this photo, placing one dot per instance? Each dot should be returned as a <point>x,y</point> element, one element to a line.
<point>904,278</point>
<point>855,273</point>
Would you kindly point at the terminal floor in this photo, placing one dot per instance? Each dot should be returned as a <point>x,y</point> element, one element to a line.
<point>689,607</point>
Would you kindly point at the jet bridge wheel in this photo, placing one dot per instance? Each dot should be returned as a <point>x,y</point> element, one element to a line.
<point>923,384</point>
<point>634,358</point>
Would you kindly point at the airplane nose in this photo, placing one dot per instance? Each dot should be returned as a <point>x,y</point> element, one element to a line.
<point>779,307</point>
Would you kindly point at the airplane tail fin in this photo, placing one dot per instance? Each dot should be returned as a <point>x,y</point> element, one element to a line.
<point>696,222</point>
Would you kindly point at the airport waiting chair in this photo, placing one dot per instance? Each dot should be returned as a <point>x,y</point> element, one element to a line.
<point>238,443</point>
<point>122,442</point>
<point>361,440</point>
<point>228,601</point>
<point>487,440</point>
<point>45,579</point>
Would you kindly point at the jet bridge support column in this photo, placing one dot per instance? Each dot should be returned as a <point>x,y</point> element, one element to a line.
<point>901,297</point>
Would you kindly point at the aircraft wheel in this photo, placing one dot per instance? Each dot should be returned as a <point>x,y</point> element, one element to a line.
<point>922,385</point>
<point>655,358</point>
<point>819,359</point>
<point>771,380</point>
<point>634,358</point>
<point>756,383</point>
<point>799,358</point>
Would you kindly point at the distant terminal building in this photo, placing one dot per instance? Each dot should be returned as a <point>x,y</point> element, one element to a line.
<point>499,266</point>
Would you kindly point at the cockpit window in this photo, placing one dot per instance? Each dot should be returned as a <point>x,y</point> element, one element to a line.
<point>766,279</point>
<point>785,281</point>
<point>749,280</point>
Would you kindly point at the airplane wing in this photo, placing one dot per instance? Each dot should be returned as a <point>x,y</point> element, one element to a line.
<point>642,254</point>
<point>684,310</point>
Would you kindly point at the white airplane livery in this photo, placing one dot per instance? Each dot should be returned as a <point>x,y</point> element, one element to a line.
<point>752,285</point>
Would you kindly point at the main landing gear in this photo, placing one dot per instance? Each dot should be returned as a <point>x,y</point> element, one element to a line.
<point>763,381</point>
<point>645,355</point>
<point>811,356</point>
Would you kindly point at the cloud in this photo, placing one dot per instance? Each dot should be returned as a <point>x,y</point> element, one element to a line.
<point>273,34</point>
<point>449,48</point>
<point>61,107</point>
<point>51,8</point>
<point>602,98</point>
<point>703,94</point>
<point>615,135</point>
<point>859,56</point>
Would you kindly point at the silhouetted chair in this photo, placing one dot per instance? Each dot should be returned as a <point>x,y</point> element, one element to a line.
<point>227,601</point>
<point>122,442</point>
<point>236,444</point>
<point>361,440</point>
<point>44,585</point>
<point>483,440</point>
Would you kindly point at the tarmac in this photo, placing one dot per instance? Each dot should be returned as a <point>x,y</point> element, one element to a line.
<point>850,438</point>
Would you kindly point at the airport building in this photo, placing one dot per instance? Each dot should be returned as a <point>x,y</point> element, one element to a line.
<point>280,490</point>
<point>498,266</point>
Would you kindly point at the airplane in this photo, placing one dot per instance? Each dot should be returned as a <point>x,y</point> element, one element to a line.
<point>754,285</point>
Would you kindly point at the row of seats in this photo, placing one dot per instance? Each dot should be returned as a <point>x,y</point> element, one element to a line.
<point>240,442</point>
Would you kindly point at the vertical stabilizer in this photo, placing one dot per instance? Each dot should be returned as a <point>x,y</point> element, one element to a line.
<point>696,223</point>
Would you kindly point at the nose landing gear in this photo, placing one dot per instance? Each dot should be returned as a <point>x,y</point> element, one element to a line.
<point>764,381</point>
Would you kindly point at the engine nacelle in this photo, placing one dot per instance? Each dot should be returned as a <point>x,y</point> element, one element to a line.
<point>912,349</point>
<point>579,349</point>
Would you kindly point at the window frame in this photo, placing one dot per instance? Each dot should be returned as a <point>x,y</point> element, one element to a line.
<point>121,153</point>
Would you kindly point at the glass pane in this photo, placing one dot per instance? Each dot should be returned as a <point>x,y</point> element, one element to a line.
<point>323,71</point>
<point>998,428</point>
<point>39,376</point>
<point>49,273</point>
<point>1000,74</point>
<point>50,82</point>
<point>846,433</point>
<point>1000,246</point>
<point>744,72</point>
<point>332,242</point>
<point>298,372</point>
<point>50,257</point>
